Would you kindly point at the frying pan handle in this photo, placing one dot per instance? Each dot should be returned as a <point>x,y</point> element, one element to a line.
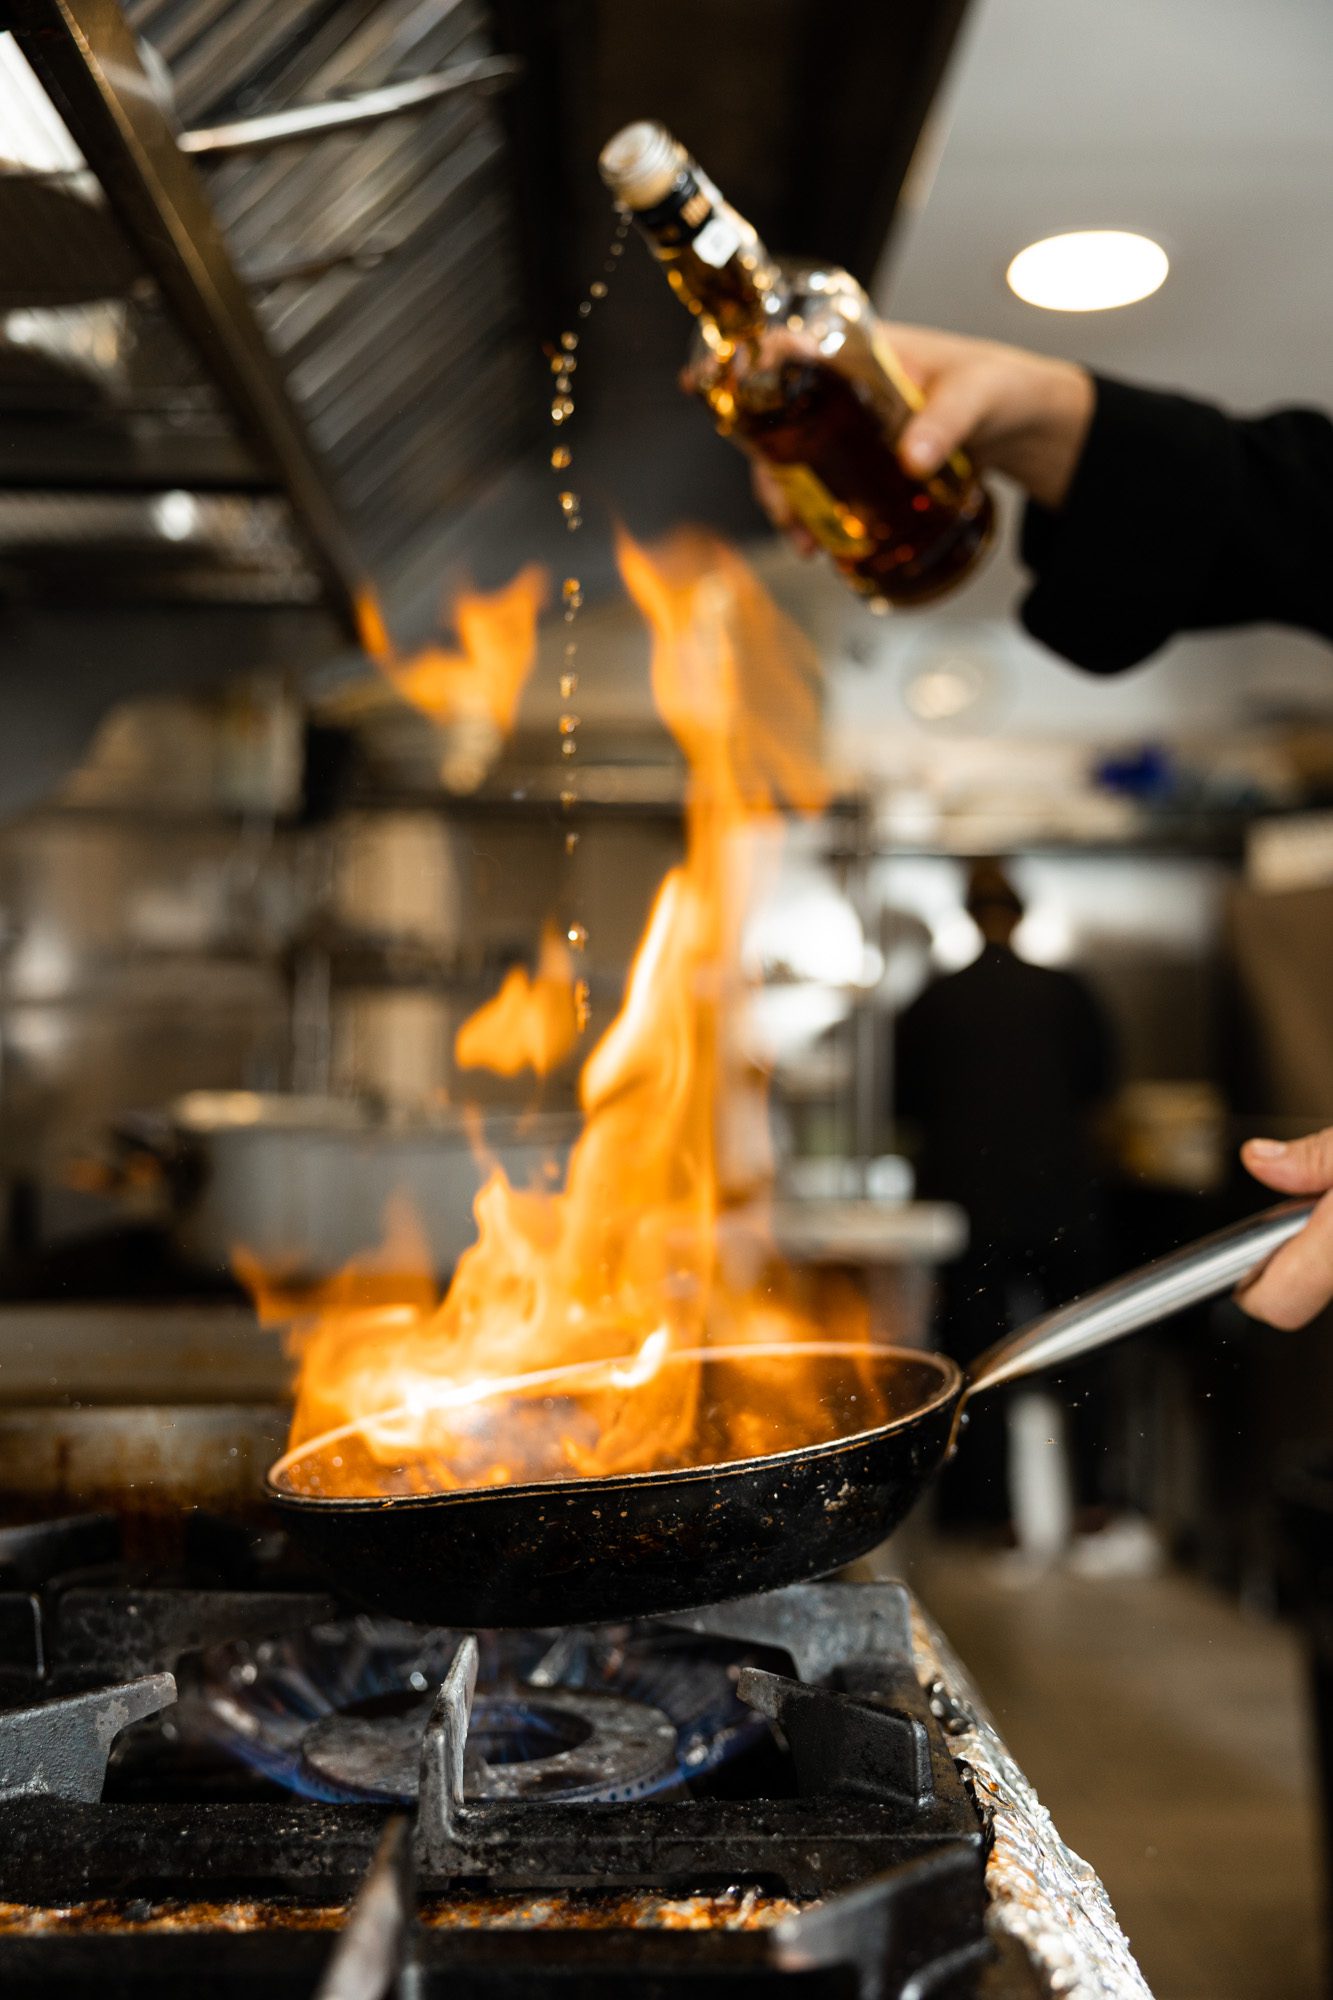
<point>1185,1277</point>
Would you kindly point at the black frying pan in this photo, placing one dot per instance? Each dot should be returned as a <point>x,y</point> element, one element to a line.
<point>580,1551</point>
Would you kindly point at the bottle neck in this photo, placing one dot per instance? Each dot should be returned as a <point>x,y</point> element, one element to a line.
<point>713,259</point>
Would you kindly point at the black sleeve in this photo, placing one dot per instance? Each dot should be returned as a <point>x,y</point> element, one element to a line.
<point>1181,518</point>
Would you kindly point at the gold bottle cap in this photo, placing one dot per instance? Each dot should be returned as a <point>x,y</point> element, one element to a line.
<point>640,163</point>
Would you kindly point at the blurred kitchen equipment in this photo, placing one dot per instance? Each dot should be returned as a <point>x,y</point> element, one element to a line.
<point>1283,945</point>
<point>150,1464</point>
<point>302,1182</point>
<point>642,1544</point>
<point>359,107</point>
<point>1172,1133</point>
<point>87,259</point>
<point>65,208</point>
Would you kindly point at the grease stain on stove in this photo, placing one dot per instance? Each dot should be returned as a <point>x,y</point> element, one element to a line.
<point>89,1919</point>
<point>733,1909</point>
<point>736,1909</point>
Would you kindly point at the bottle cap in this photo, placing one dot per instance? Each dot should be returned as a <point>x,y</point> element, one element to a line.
<point>641,163</point>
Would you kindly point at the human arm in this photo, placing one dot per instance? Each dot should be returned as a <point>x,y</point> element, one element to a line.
<point>1179,518</point>
<point>1150,513</point>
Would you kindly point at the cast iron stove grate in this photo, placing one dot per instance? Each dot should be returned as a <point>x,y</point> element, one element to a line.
<point>842,1855</point>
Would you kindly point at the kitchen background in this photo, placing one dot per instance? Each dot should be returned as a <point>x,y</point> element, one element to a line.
<point>248,895</point>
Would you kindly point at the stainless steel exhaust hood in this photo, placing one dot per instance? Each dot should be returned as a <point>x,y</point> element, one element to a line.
<point>285,394</point>
<point>273,287</point>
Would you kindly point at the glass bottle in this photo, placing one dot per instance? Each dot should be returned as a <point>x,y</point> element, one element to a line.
<point>793,364</point>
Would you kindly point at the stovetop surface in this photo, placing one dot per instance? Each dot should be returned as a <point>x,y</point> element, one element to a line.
<point>223,1780</point>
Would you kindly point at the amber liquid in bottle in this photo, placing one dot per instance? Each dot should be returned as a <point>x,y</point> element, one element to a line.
<point>791,361</point>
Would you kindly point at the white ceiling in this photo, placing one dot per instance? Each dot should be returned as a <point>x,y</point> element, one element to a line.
<point>1203,123</point>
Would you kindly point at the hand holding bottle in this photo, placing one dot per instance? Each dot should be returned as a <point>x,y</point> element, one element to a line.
<point>795,370</point>
<point>1022,414</point>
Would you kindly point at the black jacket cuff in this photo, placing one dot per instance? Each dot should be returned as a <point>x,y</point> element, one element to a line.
<point>1126,562</point>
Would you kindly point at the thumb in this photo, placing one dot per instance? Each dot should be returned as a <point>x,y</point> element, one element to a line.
<point>1300,1166</point>
<point>955,407</point>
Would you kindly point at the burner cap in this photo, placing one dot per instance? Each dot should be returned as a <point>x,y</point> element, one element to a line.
<point>522,1743</point>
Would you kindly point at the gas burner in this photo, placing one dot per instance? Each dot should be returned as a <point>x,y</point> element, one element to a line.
<point>337,1711</point>
<point>494,1813</point>
<point>522,1743</point>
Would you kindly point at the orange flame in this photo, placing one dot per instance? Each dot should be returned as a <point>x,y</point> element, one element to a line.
<point>531,1023</point>
<point>609,1326</point>
<point>498,635</point>
<point>472,692</point>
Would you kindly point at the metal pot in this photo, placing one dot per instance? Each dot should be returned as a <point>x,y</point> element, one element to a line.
<point>302,1182</point>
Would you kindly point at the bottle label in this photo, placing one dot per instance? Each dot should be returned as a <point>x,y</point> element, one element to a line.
<point>835,527</point>
<point>694,213</point>
<point>717,242</point>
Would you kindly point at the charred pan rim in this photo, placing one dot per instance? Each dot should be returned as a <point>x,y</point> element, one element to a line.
<point>952,1384</point>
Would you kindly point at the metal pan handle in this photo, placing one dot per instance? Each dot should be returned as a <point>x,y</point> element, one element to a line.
<point>1183,1278</point>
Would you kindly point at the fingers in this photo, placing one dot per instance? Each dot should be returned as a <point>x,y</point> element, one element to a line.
<point>1298,1282</point>
<point>926,352</point>
<point>1296,1166</point>
<point>960,402</point>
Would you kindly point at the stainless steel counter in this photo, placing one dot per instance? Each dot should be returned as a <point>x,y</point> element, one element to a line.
<point>1044,1899</point>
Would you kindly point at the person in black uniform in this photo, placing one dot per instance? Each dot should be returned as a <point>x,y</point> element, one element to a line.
<point>1000,1070</point>
<point>1148,514</point>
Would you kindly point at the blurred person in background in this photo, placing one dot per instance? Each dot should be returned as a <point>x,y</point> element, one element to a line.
<point>1001,1070</point>
<point>1148,514</point>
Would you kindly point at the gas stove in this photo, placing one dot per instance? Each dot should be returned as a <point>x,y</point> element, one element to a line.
<point>223,1780</point>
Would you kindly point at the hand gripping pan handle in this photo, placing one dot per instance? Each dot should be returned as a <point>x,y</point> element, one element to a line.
<point>1183,1278</point>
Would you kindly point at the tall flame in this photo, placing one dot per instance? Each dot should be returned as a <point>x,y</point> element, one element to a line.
<point>604,1327</point>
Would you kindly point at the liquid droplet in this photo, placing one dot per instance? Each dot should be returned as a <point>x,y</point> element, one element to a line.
<point>568,724</point>
<point>585,308</point>
<point>561,408</point>
<point>576,936</point>
<point>569,502</point>
<point>568,686</point>
<point>569,799</point>
<point>582,1004</point>
<point>569,341</point>
<point>569,746</point>
<point>559,363</point>
<point>572,592</point>
<point>561,457</point>
<point>571,841</point>
<point>596,290</point>
<point>571,647</point>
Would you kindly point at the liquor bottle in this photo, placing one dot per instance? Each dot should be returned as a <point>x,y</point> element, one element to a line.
<point>795,368</point>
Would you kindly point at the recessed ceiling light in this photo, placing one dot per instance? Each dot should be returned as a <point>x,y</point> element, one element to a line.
<point>1087,270</point>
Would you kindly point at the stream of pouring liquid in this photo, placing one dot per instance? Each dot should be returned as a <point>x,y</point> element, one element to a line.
<point>564,361</point>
